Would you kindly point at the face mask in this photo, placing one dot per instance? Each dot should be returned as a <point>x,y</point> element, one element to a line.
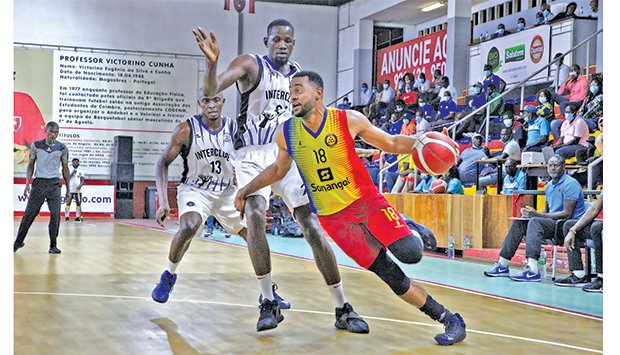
<point>385,86</point>
<point>406,120</point>
<point>593,89</point>
<point>418,118</point>
<point>364,90</point>
<point>447,98</point>
<point>487,73</point>
<point>573,73</point>
<point>374,91</point>
<point>520,26</point>
<point>508,123</point>
<point>539,20</point>
<point>401,85</point>
<point>407,90</point>
<point>422,80</point>
<point>422,104</point>
<point>542,99</point>
<point>569,116</point>
<point>546,13</point>
<point>476,90</point>
<point>399,109</point>
<point>501,31</point>
<point>527,119</point>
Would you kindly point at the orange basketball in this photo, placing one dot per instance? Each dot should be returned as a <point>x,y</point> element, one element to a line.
<point>439,186</point>
<point>434,153</point>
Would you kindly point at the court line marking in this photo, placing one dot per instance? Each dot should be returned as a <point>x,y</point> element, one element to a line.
<point>433,283</point>
<point>481,332</point>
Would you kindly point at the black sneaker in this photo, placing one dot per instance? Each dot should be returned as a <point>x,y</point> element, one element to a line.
<point>571,281</point>
<point>347,318</point>
<point>15,246</point>
<point>78,219</point>
<point>454,331</point>
<point>67,219</point>
<point>54,250</point>
<point>269,316</point>
<point>595,286</point>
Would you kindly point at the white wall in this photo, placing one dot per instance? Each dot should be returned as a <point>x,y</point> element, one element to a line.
<point>166,26</point>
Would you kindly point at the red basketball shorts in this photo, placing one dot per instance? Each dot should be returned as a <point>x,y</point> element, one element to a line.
<point>365,227</point>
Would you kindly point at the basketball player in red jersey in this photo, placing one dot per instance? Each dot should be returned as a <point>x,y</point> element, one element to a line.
<point>349,206</point>
<point>263,83</point>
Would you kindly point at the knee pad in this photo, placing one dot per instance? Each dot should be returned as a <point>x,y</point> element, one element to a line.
<point>408,250</point>
<point>390,273</point>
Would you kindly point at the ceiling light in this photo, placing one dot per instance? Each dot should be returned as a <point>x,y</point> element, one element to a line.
<point>433,6</point>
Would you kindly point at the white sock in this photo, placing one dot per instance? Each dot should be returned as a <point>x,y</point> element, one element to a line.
<point>579,273</point>
<point>600,275</point>
<point>172,267</point>
<point>78,212</point>
<point>337,291</point>
<point>503,261</point>
<point>265,284</point>
<point>533,264</point>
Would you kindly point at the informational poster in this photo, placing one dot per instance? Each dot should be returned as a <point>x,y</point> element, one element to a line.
<point>98,96</point>
<point>421,55</point>
<point>95,199</point>
<point>518,55</point>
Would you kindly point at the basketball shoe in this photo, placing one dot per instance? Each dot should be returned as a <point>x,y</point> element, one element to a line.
<point>284,304</point>
<point>347,318</point>
<point>164,287</point>
<point>269,316</point>
<point>455,331</point>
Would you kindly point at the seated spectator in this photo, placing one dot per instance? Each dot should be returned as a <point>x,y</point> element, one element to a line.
<point>410,97</point>
<point>540,19</point>
<point>423,87</point>
<point>514,178</point>
<point>573,135</point>
<point>409,78</point>
<point>564,200</point>
<point>474,122</point>
<point>366,96</point>
<point>344,105</point>
<point>575,234</point>
<point>511,151</point>
<point>422,123</point>
<point>401,109</point>
<point>443,85</point>
<point>537,130</point>
<point>562,70</point>
<point>408,127</point>
<point>518,133</point>
<point>545,105</point>
<point>395,124</point>
<point>467,160</point>
<point>591,109</point>
<point>400,88</point>
<point>568,13</point>
<point>373,109</point>
<point>427,109</point>
<point>389,176</point>
<point>455,186</point>
<point>546,12</point>
<point>447,110</point>
<point>406,172</point>
<point>387,96</point>
<point>490,78</point>
<point>574,89</point>
<point>520,24</point>
<point>424,186</point>
<point>497,106</point>
<point>501,31</point>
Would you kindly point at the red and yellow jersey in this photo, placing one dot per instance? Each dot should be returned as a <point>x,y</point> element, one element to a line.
<point>329,166</point>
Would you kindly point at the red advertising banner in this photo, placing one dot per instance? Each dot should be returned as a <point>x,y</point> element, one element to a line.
<point>421,55</point>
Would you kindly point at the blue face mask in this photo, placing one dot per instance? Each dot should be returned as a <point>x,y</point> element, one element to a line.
<point>542,99</point>
<point>401,85</point>
<point>374,91</point>
<point>569,116</point>
<point>422,104</point>
<point>546,13</point>
<point>520,26</point>
<point>447,98</point>
<point>539,20</point>
<point>501,31</point>
<point>487,73</point>
<point>364,90</point>
<point>476,90</point>
<point>406,120</point>
<point>594,89</point>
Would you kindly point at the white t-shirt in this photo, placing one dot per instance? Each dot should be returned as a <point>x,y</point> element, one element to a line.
<point>452,91</point>
<point>513,150</point>
<point>75,180</point>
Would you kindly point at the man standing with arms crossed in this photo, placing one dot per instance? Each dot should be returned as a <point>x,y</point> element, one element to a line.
<point>48,154</point>
<point>263,83</point>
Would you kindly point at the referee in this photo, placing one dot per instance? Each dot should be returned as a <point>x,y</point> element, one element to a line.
<point>48,154</point>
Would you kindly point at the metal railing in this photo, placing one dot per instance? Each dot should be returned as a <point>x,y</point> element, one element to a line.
<point>522,86</point>
<point>591,166</point>
<point>339,97</point>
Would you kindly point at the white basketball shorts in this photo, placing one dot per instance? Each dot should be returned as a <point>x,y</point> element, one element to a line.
<point>208,203</point>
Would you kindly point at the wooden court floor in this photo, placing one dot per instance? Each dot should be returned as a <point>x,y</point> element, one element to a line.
<point>94,298</point>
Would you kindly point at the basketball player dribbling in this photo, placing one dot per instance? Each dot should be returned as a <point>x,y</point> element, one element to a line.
<point>263,82</point>
<point>350,207</point>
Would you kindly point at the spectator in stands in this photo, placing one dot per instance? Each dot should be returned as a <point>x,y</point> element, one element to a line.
<point>520,24</point>
<point>594,5</point>
<point>501,31</point>
<point>467,160</point>
<point>373,109</point>
<point>410,97</point>
<point>574,134</point>
<point>345,104</point>
<point>586,156</point>
<point>422,87</point>
<point>537,130</point>
<point>518,133</point>
<point>497,105</point>
<point>546,12</point>
<point>424,186</point>
<point>422,124</point>
<point>574,89</point>
<point>387,96</point>
<point>564,200</point>
<point>391,175</point>
<point>444,84</point>
<point>400,87</point>
<point>514,178</point>
<point>474,122</point>
<point>406,172</point>
<point>455,186</point>
<point>511,151</point>
<point>427,109</point>
<point>409,78</point>
<point>575,234</point>
<point>545,104</point>
<point>408,127</point>
<point>366,96</point>
<point>447,110</point>
<point>396,123</point>
<point>562,70</point>
<point>540,19</point>
<point>569,12</point>
<point>490,78</point>
<point>591,109</point>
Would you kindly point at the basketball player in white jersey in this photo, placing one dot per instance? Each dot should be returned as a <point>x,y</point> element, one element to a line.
<point>75,188</point>
<point>263,82</point>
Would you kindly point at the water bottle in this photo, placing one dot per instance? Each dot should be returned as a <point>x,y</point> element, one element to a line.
<point>466,242</point>
<point>487,36</point>
<point>542,263</point>
<point>450,247</point>
<point>481,37</point>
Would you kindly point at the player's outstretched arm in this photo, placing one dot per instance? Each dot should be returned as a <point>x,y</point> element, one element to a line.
<point>270,175</point>
<point>244,67</point>
<point>180,137</point>
<point>360,126</point>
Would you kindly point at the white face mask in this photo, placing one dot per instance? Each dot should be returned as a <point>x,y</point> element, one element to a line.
<point>406,121</point>
<point>542,99</point>
<point>508,123</point>
<point>422,104</point>
<point>399,109</point>
<point>385,86</point>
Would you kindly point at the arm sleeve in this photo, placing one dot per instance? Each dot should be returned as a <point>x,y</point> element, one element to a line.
<point>571,191</point>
